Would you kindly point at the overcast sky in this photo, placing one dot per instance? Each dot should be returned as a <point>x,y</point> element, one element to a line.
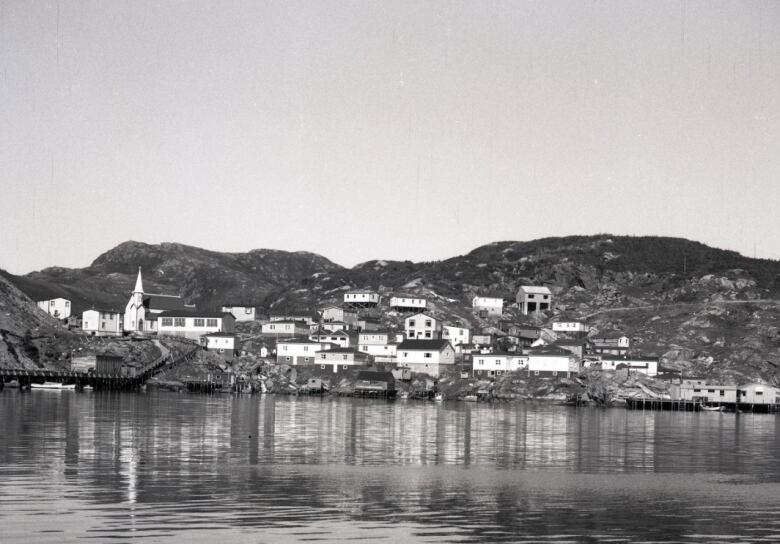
<point>399,130</point>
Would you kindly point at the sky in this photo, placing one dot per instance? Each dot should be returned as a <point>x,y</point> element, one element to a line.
<point>384,130</point>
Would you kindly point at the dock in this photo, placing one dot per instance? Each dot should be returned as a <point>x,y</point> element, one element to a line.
<point>699,406</point>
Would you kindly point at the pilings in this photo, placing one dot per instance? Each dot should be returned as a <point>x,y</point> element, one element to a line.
<point>698,406</point>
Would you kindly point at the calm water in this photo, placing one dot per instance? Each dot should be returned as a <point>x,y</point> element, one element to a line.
<point>164,467</point>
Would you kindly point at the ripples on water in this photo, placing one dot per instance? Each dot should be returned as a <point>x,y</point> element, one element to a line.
<point>167,467</point>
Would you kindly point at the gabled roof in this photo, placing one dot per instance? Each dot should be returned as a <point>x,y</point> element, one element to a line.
<point>103,310</point>
<point>608,335</point>
<point>550,352</point>
<point>421,314</point>
<point>433,344</point>
<point>163,302</point>
<point>193,313</point>
<point>535,290</point>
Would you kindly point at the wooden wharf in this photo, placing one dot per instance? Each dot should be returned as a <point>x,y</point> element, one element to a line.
<point>699,406</point>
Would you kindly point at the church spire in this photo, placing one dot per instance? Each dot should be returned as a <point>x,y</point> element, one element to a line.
<point>139,286</point>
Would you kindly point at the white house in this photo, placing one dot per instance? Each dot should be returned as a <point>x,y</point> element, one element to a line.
<point>56,307</point>
<point>224,344</point>
<point>643,365</point>
<point>341,359</point>
<point>610,342</point>
<point>422,326</point>
<point>334,326</point>
<point>284,328</point>
<point>408,303</point>
<point>362,298</point>
<point>488,306</point>
<point>191,324</point>
<point>531,298</point>
<point>456,335</point>
<point>298,351</point>
<point>102,322</point>
<point>426,356</point>
<point>339,338</point>
<point>143,309</point>
<point>573,327</point>
<point>552,362</point>
<point>496,364</point>
<point>241,312</point>
<point>379,344</point>
<point>758,393</point>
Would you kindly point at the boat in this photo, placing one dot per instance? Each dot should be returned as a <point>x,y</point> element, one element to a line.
<point>403,395</point>
<point>87,388</point>
<point>708,408</point>
<point>54,385</point>
<point>438,397</point>
<point>470,398</point>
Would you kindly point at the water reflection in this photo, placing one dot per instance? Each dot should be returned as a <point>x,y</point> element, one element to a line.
<point>157,466</point>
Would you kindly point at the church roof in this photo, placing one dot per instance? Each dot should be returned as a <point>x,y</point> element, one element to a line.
<point>163,302</point>
<point>139,285</point>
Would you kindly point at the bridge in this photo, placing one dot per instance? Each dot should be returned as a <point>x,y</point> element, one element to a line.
<point>96,380</point>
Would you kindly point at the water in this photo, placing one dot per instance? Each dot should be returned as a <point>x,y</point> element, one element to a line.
<point>165,467</point>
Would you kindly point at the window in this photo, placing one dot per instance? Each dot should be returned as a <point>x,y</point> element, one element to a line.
<point>530,296</point>
<point>710,390</point>
<point>102,324</point>
<point>406,354</point>
<point>722,393</point>
<point>428,355</point>
<point>411,322</point>
<point>322,356</point>
<point>364,348</point>
<point>284,348</point>
<point>167,321</point>
<point>271,327</point>
<point>545,297</point>
<point>305,348</point>
<point>247,310</point>
<point>200,322</point>
<point>427,334</point>
<point>345,357</point>
<point>428,323</point>
<point>178,322</point>
<point>211,322</point>
<point>697,390</point>
<point>67,303</point>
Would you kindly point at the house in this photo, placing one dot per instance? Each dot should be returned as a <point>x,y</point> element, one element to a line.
<point>336,359</point>
<point>362,298</point>
<point>334,326</point>
<point>56,307</point>
<point>488,306</point>
<point>307,316</point>
<point>496,364</point>
<point>758,393</point>
<point>408,303</point>
<point>299,351</point>
<point>456,335</point>
<point>369,324</point>
<point>339,314</point>
<point>338,338</point>
<point>425,356</point>
<point>284,328</point>
<point>519,329</point>
<point>379,344</point>
<point>241,312</point>
<point>192,324</point>
<point>570,327</point>
<point>143,309</point>
<point>552,362</point>
<point>224,344</point>
<point>482,340</point>
<point>375,383</point>
<point>576,347</point>
<point>531,298</point>
<point>704,392</point>
<point>643,365</point>
<point>422,326</point>
<point>102,322</point>
<point>610,343</point>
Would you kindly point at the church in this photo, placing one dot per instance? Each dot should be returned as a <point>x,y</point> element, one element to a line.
<point>143,308</point>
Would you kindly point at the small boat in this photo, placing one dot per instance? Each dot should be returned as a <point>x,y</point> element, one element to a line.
<point>54,385</point>
<point>470,398</point>
<point>403,395</point>
<point>438,397</point>
<point>708,408</point>
<point>87,388</point>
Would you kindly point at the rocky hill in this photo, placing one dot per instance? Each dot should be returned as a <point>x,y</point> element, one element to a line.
<point>205,278</point>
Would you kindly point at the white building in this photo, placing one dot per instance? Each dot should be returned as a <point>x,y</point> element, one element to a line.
<point>102,322</point>
<point>241,312</point>
<point>339,338</point>
<point>610,343</point>
<point>758,393</point>
<point>192,324</point>
<point>425,356</point>
<point>143,309</point>
<point>496,364</point>
<point>337,359</point>
<point>56,307</point>
<point>573,327</point>
<point>552,362</point>
<point>422,326</point>
<point>224,344</point>
<point>299,351</point>
<point>488,306</point>
<point>362,298</point>
<point>408,303</point>
<point>379,344</point>
<point>456,335</point>
<point>531,298</point>
<point>284,328</point>
<point>643,365</point>
<point>294,315</point>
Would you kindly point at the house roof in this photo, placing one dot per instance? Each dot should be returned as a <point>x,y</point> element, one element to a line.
<point>103,310</point>
<point>535,290</point>
<point>296,341</point>
<point>421,314</point>
<point>608,335</point>
<point>220,335</point>
<point>566,342</point>
<point>163,302</point>
<point>413,345</point>
<point>345,350</point>
<point>405,295</point>
<point>361,292</point>
<point>193,313</point>
<point>550,352</point>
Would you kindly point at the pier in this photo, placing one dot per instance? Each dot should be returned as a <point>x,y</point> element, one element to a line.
<point>699,406</point>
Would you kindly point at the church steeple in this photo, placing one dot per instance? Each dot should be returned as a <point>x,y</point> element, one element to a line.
<point>139,286</point>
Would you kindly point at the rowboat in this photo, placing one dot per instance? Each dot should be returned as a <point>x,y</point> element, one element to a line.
<point>470,398</point>
<point>438,397</point>
<point>711,408</point>
<point>54,385</point>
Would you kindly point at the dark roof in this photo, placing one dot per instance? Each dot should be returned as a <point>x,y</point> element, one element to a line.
<point>193,313</point>
<point>375,376</point>
<point>625,358</point>
<point>343,350</point>
<point>423,344</point>
<point>550,351</point>
<point>608,334</point>
<point>163,302</point>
